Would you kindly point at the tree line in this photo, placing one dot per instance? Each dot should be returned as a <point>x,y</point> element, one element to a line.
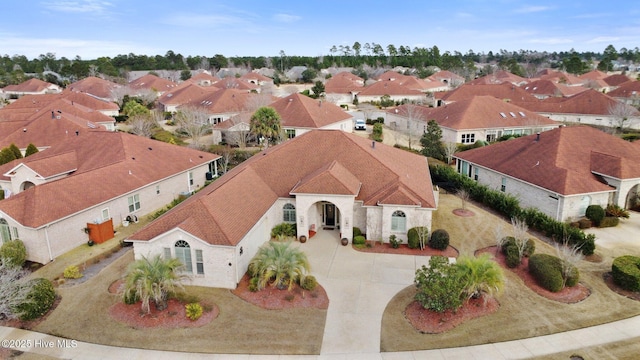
<point>16,69</point>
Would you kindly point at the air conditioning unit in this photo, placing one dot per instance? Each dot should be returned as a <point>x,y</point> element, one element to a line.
<point>209,175</point>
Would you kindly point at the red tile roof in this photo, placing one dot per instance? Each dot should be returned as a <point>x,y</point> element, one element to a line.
<point>300,111</point>
<point>505,91</point>
<point>227,209</point>
<point>629,89</point>
<point>95,86</point>
<point>587,102</point>
<point>482,112</point>
<point>563,160</point>
<point>550,88</point>
<point>152,82</point>
<point>31,86</point>
<point>388,87</point>
<point>499,77</point>
<point>343,83</point>
<point>185,93</point>
<point>109,164</point>
<point>223,101</point>
<point>332,178</point>
<point>616,79</point>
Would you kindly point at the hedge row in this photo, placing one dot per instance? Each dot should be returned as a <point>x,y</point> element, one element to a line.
<point>626,272</point>
<point>509,206</point>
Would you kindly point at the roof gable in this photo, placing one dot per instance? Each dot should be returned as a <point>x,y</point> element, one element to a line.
<point>332,178</point>
<point>300,111</point>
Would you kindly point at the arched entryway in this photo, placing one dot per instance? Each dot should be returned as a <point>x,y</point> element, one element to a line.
<point>633,198</point>
<point>325,217</point>
<point>26,185</point>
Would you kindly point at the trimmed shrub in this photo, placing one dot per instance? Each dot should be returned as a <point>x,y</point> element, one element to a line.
<point>595,213</point>
<point>547,272</point>
<point>14,253</point>
<point>626,272</point>
<point>529,248</point>
<point>359,240</point>
<point>309,283</point>
<point>356,232</point>
<point>617,211</point>
<point>284,229</point>
<point>394,242</point>
<point>413,236</point>
<point>512,258</point>
<point>439,239</point>
<point>39,300</point>
<point>72,272</point>
<point>193,311</point>
<point>609,221</point>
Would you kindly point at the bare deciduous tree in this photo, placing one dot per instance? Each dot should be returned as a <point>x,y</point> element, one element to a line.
<point>148,96</point>
<point>118,93</point>
<point>570,255</point>
<point>142,125</point>
<point>499,235</point>
<point>464,196</point>
<point>226,154</point>
<point>239,135</point>
<point>621,114</point>
<point>193,121</point>
<point>450,148</point>
<point>415,117</point>
<point>256,101</point>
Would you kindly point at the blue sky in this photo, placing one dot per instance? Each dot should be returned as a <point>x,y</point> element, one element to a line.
<point>93,28</point>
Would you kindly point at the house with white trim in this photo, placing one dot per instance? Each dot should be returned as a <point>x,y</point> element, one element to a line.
<point>560,172</point>
<point>323,180</point>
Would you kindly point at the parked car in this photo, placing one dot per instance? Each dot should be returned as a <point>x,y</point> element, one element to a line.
<point>360,125</point>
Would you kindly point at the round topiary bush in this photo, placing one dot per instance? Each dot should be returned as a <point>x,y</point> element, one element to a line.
<point>413,236</point>
<point>193,311</point>
<point>38,301</point>
<point>512,257</point>
<point>547,271</point>
<point>309,283</point>
<point>359,240</point>
<point>14,253</point>
<point>439,240</point>
<point>595,213</point>
<point>625,271</point>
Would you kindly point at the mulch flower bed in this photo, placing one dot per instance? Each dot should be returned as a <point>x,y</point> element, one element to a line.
<point>174,316</point>
<point>431,322</point>
<point>386,248</point>
<point>568,295</point>
<point>463,212</point>
<point>273,298</point>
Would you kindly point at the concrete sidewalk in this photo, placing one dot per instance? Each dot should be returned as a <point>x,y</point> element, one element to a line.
<point>359,286</point>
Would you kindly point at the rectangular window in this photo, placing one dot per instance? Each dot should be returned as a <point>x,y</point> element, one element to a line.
<point>167,253</point>
<point>475,174</point>
<point>465,168</point>
<point>468,138</point>
<point>105,214</point>
<point>291,133</point>
<point>134,202</point>
<point>157,189</point>
<point>503,187</point>
<point>184,255</point>
<point>398,224</point>
<point>199,263</point>
<point>5,233</point>
<point>190,177</point>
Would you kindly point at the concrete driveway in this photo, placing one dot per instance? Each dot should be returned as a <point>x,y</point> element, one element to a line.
<point>623,239</point>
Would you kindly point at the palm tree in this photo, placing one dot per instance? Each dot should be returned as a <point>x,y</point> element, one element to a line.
<point>481,275</point>
<point>153,280</point>
<point>279,264</point>
<point>265,123</point>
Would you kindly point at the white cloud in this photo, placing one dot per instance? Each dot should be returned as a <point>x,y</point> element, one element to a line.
<point>531,9</point>
<point>81,6</point>
<point>286,18</point>
<point>603,39</point>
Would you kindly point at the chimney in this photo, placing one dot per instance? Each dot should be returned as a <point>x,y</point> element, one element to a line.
<point>537,136</point>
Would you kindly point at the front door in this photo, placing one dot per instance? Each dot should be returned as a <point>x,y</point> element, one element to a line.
<point>329,215</point>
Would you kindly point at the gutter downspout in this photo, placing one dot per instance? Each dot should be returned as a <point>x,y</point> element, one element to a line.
<point>46,236</point>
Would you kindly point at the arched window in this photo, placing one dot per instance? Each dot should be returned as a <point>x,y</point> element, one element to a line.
<point>5,233</point>
<point>398,221</point>
<point>289,213</point>
<point>183,253</point>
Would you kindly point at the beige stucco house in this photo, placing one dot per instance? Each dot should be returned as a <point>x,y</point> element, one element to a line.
<point>323,180</point>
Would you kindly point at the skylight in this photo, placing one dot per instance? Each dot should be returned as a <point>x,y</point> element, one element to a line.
<point>503,115</point>
<point>522,114</point>
<point>512,114</point>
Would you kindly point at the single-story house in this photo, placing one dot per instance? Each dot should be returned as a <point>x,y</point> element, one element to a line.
<point>96,87</point>
<point>628,93</point>
<point>93,177</point>
<point>466,121</point>
<point>560,172</point>
<point>323,180</point>
<point>32,86</point>
<point>153,83</point>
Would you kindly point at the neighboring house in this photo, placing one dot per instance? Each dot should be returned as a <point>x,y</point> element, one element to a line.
<point>394,89</point>
<point>300,114</point>
<point>560,77</point>
<point>483,118</point>
<point>341,87</point>
<point>615,80</point>
<point>560,172</point>
<point>588,107</point>
<point>324,180</point>
<point>236,131</point>
<point>414,83</point>
<point>499,77</point>
<point>44,124</point>
<point>94,177</point>
<point>628,93</point>
<point>183,94</point>
<point>256,78</point>
<point>543,89</point>
<point>225,103</point>
<point>30,87</point>
<point>153,83</point>
<point>203,78</point>
<point>504,91</point>
<point>237,84</point>
<point>447,77</point>
<point>96,87</point>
